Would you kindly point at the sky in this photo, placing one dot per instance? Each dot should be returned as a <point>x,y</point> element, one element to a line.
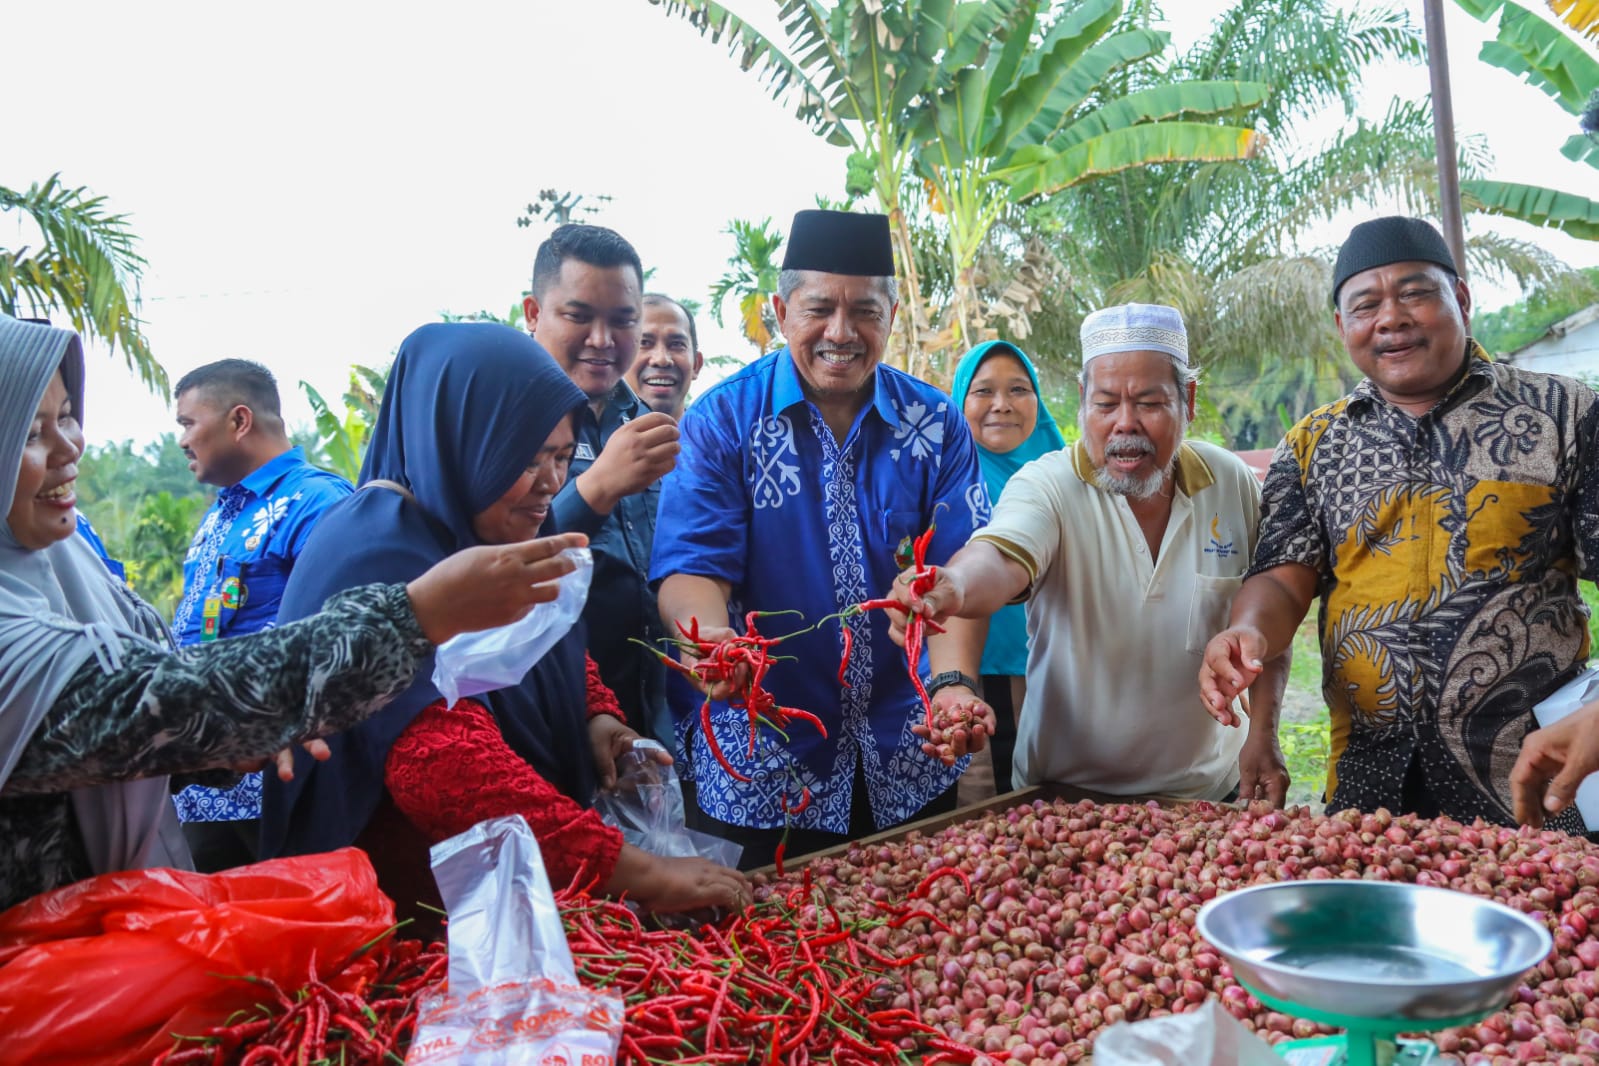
<point>312,181</point>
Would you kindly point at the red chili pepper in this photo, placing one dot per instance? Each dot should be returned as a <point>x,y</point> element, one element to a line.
<point>804,801</point>
<point>710,740</point>
<point>920,890</point>
<point>777,857</point>
<point>849,642</point>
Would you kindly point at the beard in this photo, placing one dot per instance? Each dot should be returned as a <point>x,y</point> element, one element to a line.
<point>1134,487</point>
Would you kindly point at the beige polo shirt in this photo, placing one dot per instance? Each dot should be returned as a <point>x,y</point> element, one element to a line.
<point>1115,639</point>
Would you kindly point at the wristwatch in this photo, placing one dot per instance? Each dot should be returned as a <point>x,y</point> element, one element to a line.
<point>952,677</point>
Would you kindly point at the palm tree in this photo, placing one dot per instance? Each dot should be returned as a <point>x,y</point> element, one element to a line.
<point>752,278</point>
<point>86,267</point>
<point>1225,243</point>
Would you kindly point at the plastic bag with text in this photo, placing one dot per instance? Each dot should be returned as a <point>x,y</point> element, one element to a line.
<point>473,663</point>
<point>512,998</point>
<point>106,970</point>
<point>647,806</point>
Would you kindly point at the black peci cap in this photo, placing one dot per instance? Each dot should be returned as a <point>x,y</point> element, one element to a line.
<point>840,242</point>
<point>1395,239</point>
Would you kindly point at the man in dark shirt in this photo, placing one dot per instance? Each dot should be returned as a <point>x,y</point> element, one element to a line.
<point>585,307</point>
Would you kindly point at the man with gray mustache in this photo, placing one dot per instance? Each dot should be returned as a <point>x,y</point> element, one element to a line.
<point>1127,550</point>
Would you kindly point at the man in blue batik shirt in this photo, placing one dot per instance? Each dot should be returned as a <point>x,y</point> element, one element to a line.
<point>799,478</point>
<point>240,559</point>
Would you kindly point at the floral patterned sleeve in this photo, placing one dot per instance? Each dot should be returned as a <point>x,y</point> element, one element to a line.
<point>231,702</point>
<point>1289,531</point>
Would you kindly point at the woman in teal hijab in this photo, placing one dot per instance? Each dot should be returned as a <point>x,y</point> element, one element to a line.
<point>997,388</point>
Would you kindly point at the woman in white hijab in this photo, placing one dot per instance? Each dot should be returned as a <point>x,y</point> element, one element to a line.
<point>96,707</point>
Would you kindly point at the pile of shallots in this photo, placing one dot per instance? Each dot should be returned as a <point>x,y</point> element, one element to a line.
<point>1080,915</point>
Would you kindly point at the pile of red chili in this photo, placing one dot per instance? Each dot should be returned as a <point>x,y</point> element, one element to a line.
<point>786,981</point>
<point>319,1024</point>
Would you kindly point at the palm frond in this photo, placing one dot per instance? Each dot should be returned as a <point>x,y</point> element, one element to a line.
<point>1504,258</point>
<point>87,267</point>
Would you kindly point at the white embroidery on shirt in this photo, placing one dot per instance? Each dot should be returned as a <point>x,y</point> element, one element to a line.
<point>270,514</point>
<point>979,504</point>
<point>770,440</point>
<point>921,430</point>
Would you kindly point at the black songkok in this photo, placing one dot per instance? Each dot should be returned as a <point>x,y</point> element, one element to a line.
<point>1395,239</point>
<point>840,242</point>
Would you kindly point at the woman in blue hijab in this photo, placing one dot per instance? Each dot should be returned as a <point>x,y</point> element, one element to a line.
<point>471,444</point>
<point>997,388</point>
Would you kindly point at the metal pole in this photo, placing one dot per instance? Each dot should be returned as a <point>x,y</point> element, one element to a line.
<point>1443,130</point>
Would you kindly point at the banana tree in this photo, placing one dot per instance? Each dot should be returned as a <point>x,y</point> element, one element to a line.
<point>341,439</point>
<point>1035,118</point>
<point>1536,50</point>
<point>850,71</point>
<point>86,267</point>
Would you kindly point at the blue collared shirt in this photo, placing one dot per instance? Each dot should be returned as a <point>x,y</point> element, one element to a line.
<point>233,578</point>
<point>765,498</point>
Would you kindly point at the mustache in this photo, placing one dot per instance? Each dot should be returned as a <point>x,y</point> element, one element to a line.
<point>1129,445</point>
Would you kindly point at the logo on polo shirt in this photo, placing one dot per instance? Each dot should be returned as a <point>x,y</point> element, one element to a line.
<point>583,451</point>
<point>1217,547</point>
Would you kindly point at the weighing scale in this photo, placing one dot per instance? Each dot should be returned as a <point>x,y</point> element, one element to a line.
<point>1374,958</point>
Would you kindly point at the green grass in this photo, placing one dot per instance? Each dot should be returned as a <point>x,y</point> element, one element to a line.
<point>1305,736</point>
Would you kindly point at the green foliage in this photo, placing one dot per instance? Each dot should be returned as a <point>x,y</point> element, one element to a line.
<point>1534,204</point>
<point>86,267</point>
<point>1537,51</point>
<point>751,278</point>
<point>341,436</point>
<point>1590,596</point>
<point>164,527</point>
<point>145,505</point>
<point>1516,325</point>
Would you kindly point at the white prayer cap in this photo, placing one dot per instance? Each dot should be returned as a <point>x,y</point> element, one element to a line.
<point>1135,328</point>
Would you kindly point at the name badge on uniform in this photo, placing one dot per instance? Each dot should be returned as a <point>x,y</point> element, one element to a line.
<point>211,617</point>
<point>583,451</point>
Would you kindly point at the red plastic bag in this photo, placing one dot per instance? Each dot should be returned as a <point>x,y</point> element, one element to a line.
<point>108,969</point>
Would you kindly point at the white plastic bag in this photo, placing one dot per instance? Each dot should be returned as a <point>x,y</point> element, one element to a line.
<point>473,663</point>
<point>647,806</point>
<point>1582,689</point>
<point>512,998</point>
<point>1208,1036</point>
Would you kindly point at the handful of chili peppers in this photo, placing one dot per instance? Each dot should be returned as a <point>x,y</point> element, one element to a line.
<point>916,625</point>
<point>741,662</point>
<point>942,724</point>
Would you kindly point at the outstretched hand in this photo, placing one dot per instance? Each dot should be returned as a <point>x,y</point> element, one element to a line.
<point>1554,760</point>
<point>1233,659</point>
<point>491,585</point>
<point>941,600</point>
<point>962,724</point>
